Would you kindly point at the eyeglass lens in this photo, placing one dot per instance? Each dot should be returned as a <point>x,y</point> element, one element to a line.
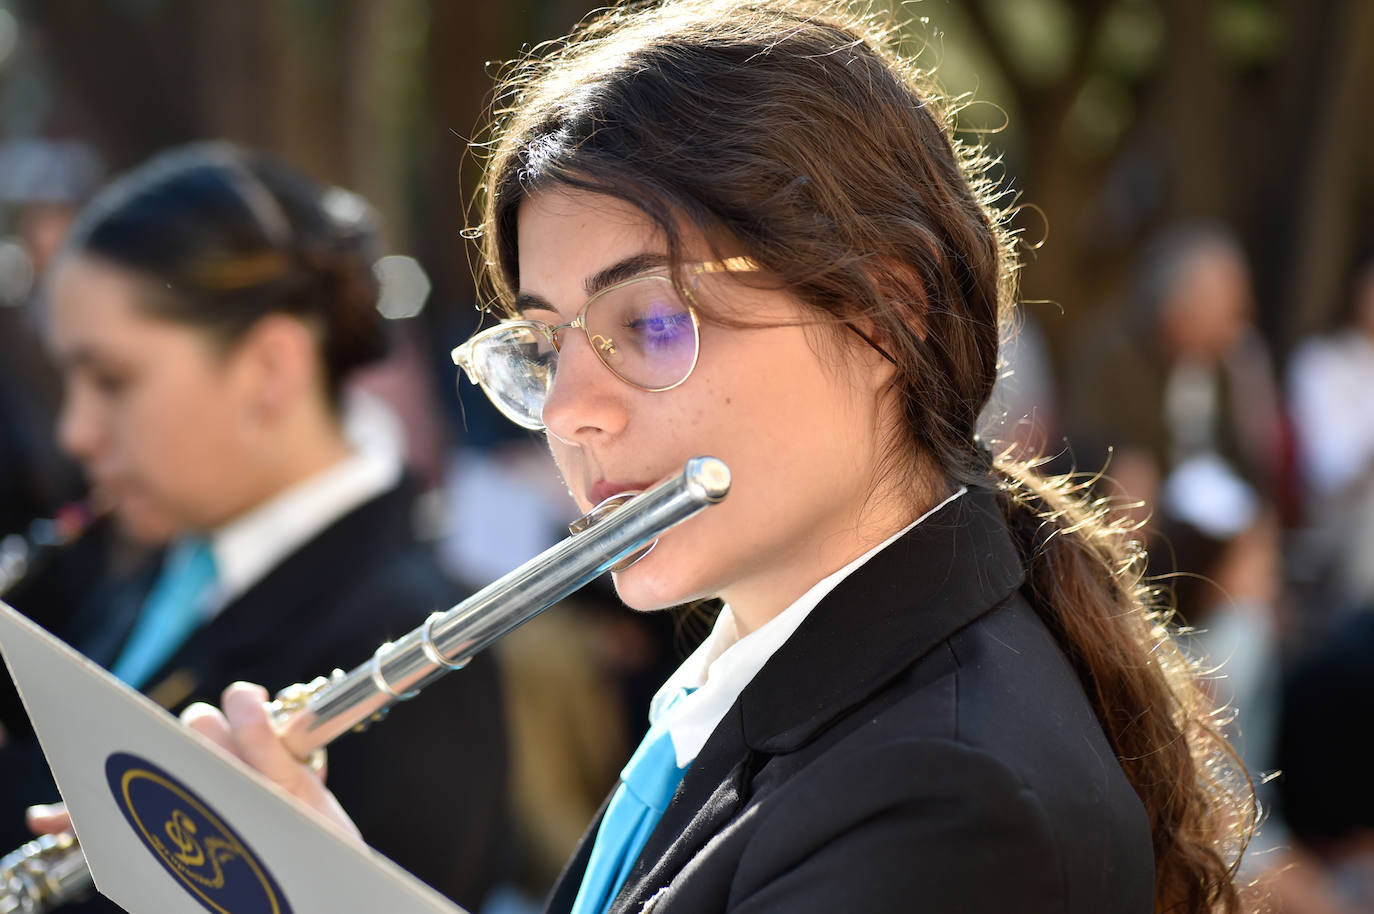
<point>642,330</point>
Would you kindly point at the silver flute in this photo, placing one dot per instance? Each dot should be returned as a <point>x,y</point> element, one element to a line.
<point>21,553</point>
<point>49,872</point>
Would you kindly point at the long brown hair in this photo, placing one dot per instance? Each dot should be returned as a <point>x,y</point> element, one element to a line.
<point>794,131</point>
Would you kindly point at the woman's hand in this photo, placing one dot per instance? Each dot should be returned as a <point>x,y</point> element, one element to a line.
<point>244,729</point>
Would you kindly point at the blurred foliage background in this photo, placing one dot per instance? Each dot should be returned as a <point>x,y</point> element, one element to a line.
<point>1112,118</point>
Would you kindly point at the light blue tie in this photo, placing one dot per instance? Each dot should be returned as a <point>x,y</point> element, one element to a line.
<point>171,612</point>
<point>646,786</point>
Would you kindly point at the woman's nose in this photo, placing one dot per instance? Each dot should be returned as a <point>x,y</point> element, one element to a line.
<point>586,398</point>
<point>79,428</point>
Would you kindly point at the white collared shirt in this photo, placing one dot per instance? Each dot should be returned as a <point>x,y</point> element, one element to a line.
<point>252,544</point>
<point>725,663</point>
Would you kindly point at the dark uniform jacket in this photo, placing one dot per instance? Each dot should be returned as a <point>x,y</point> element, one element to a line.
<point>426,785</point>
<point>919,744</point>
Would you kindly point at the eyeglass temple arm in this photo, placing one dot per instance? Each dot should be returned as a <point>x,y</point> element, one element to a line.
<point>728,265</point>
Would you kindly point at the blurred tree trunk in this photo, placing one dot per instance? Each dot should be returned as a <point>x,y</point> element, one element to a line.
<point>289,78</point>
<point>464,40</point>
<point>1058,182</point>
<point>469,45</point>
<point>1193,109</point>
<point>1339,153</point>
<point>130,73</point>
<point>235,84</point>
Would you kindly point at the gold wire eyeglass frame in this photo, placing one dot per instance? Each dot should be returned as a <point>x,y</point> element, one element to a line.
<point>462,354</point>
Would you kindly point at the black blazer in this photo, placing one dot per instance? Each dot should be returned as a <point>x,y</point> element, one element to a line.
<point>919,744</point>
<point>426,785</point>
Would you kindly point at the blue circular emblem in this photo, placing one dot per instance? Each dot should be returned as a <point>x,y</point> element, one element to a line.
<point>191,841</point>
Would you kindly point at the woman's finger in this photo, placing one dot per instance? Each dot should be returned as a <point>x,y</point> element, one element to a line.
<point>256,742</point>
<point>211,724</point>
<point>48,820</point>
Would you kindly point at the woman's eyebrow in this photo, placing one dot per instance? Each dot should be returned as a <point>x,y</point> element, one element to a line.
<point>527,301</point>
<point>621,270</point>
<point>80,356</point>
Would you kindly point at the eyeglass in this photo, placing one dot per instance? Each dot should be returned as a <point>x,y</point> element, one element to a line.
<point>645,330</point>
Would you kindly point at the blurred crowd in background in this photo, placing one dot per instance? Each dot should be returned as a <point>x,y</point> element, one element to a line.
<point>1194,187</point>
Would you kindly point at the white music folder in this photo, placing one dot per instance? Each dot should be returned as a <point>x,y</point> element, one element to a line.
<point>171,823</point>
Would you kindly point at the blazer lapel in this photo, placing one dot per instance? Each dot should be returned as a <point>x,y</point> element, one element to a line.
<point>952,568</point>
<point>710,795</point>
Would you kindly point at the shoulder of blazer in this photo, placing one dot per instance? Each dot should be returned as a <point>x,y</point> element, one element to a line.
<point>345,555</point>
<point>946,572</point>
<point>327,597</point>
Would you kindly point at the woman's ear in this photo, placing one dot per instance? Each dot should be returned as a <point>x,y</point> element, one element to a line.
<point>901,284</point>
<point>277,365</point>
<point>870,343</point>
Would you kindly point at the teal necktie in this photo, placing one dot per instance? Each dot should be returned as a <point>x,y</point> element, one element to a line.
<point>646,787</point>
<point>171,612</point>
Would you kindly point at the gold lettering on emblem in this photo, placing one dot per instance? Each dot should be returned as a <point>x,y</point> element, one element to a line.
<point>204,865</point>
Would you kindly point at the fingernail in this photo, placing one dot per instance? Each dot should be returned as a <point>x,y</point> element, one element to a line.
<point>194,711</point>
<point>41,811</point>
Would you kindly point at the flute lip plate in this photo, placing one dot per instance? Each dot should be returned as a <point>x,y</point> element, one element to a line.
<point>600,512</point>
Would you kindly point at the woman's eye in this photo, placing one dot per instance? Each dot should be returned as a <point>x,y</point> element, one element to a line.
<point>109,383</point>
<point>661,327</point>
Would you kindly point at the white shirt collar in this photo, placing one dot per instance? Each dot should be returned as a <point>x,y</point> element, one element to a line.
<point>725,663</point>
<point>252,544</point>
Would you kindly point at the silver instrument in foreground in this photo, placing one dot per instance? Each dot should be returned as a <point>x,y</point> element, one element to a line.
<point>46,872</point>
<point>49,872</point>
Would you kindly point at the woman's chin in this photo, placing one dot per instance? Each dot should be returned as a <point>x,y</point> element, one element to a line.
<point>636,597</point>
<point>147,528</point>
<point>642,590</point>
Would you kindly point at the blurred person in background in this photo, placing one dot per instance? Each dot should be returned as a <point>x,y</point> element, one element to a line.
<point>42,491</point>
<point>1331,398</point>
<point>1324,791</point>
<point>1180,386</point>
<point>206,313</point>
<point>1324,794</point>
<point>1177,399</point>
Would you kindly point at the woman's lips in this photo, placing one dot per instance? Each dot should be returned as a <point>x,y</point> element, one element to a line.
<point>109,492</point>
<point>603,490</point>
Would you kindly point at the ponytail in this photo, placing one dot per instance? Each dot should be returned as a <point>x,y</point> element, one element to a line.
<point>1085,579</point>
